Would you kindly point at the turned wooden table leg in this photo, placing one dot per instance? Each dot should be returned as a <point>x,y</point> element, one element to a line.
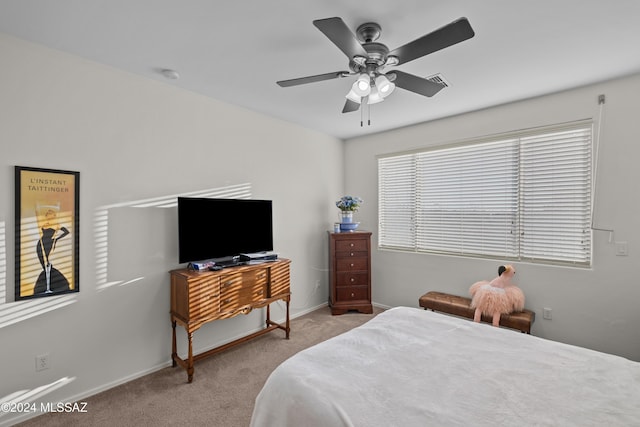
<point>268,315</point>
<point>288,327</point>
<point>174,347</point>
<point>190,360</point>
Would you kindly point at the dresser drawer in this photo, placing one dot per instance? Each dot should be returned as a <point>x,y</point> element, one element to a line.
<point>352,254</point>
<point>352,245</point>
<point>279,280</point>
<point>351,264</point>
<point>240,289</point>
<point>352,293</point>
<point>238,280</point>
<point>352,279</point>
<point>238,298</point>
<point>205,299</point>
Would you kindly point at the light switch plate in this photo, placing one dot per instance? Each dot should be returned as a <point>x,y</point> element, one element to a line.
<point>622,249</point>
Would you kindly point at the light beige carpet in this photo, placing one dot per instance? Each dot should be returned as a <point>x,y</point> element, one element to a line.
<point>223,389</point>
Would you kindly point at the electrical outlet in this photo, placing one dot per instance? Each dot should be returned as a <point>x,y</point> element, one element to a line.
<point>317,285</point>
<point>42,362</point>
<point>546,313</point>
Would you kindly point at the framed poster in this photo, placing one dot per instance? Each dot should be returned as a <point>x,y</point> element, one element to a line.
<point>47,232</point>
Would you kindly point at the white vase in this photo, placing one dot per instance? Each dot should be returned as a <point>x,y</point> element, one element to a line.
<point>346,217</point>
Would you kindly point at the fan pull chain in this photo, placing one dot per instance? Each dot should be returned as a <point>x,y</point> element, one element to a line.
<point>365,104</point>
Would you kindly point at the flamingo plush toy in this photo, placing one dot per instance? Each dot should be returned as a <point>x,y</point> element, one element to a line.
<point>497,297</point>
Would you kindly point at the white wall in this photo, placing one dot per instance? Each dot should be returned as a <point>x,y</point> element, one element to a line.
<point>133,139</point>
<point>597,307</point>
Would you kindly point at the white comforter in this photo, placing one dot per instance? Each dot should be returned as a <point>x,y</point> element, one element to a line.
<point>412,367</point>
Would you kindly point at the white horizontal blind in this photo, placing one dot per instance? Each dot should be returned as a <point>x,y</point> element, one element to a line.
<point>467,199</point>
<point>556,196</point>
<point>525,196</point>
<point>397,201</point>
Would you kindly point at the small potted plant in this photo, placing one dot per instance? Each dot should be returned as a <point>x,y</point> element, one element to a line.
<point>348,205</point>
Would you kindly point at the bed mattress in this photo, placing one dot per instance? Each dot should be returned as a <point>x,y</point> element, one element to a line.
<point>412,367</point>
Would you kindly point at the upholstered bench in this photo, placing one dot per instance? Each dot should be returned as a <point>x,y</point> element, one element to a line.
<point>461,306</point>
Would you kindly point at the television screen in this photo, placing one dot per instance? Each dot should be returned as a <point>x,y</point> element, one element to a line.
<point>221,228</point>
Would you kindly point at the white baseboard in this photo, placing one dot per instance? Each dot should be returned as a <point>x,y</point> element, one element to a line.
<point>382,306</point>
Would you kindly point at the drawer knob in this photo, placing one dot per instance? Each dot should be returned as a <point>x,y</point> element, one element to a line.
<point>352,245</point>
<point>352,295</point>
<point>353,280</point>
<point>351,264</point>
<point>351,253</point>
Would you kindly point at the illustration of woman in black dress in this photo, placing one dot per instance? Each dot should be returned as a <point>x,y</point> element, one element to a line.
<point>50,279</point>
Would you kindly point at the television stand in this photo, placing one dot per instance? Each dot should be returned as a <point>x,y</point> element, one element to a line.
<point>199,297</point>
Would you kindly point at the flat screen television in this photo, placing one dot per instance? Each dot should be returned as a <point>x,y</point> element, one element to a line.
<point>223,228</point>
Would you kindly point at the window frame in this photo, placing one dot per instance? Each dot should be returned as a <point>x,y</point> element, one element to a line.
<point>579,254</point>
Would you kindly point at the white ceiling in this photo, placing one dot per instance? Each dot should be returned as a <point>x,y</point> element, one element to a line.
<point>236,51</point>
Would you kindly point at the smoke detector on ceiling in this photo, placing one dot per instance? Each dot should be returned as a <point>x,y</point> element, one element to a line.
<point>170,74</point>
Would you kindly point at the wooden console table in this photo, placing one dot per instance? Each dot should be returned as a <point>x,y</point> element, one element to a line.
<point>201,297</point>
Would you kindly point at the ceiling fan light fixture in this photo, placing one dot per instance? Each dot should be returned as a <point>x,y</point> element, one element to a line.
<point>362,86</point>
<point>352,96</point>
<point>392,87</point>
<point>374,97</point>
<point>367,59</point>
<point>385,87</point>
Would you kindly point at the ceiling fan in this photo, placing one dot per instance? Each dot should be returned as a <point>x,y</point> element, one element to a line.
<point>368,59</point>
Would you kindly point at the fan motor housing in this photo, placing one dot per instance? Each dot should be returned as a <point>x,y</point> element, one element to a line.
<point>369,32</point>
<point>377,52</point>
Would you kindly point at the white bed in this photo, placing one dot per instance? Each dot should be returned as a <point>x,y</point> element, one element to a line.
<point>412,367</point>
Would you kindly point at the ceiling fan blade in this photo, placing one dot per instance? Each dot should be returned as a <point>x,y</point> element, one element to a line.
<point>313,79</point>
<point>338,32</point>
<point>350,106</point>
<point>455,32</point>
<point>416,84</point>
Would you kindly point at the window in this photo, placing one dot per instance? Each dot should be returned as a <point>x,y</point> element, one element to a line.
<point>522,196</point>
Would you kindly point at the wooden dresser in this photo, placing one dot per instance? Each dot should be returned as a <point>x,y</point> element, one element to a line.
<point>198,297</point>
<point>350,272</point>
